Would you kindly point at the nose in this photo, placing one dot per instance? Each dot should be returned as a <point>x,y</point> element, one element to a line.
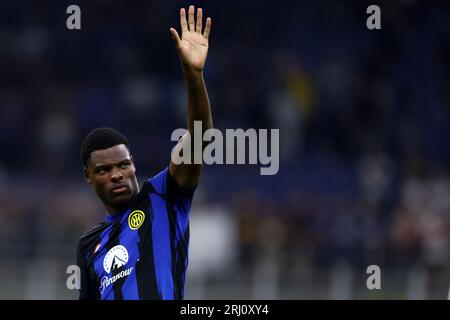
<point>116,175</point>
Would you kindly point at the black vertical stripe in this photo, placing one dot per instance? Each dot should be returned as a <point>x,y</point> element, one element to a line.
<point>145,268</point>
<point>88,276</point>
<point>94,289</point>
<point>173,224</point>
<point>184,246</point>
<point>182,250</point>
<point>87,246</point>
<point>179,250</point>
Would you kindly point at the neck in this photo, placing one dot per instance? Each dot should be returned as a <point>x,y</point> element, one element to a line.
<point>115,210</point>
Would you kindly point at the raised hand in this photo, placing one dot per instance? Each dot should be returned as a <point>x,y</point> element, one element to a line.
<point>192,47</point>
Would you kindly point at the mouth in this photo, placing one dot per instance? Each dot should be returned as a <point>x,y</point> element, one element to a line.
<point>120,188</point>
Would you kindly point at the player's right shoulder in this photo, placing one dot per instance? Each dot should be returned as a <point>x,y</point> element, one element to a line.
<point>92,235</point>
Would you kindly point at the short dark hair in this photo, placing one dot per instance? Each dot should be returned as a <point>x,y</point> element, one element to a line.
<point>99,139</point>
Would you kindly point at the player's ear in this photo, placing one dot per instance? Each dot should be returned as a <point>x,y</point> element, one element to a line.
<point>87,175</point>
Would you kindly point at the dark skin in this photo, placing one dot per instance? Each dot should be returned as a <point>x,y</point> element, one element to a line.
<point>113,175</point>
<point>192,48</point>
<point>111,171</point>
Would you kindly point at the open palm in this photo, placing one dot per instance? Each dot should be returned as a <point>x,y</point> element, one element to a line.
<point>193,45</point>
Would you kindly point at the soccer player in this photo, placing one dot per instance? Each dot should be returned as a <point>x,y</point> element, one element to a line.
<point>140,251</point>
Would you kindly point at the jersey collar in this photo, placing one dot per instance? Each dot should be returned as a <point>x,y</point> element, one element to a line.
<point>115,217</point>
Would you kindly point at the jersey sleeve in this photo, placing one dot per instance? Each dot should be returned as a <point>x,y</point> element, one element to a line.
<point>165,184</point>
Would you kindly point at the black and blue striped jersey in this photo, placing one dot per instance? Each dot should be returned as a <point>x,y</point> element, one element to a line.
<point>141,253</point>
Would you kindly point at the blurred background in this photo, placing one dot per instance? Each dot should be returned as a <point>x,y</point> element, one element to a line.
<point>364,121</point>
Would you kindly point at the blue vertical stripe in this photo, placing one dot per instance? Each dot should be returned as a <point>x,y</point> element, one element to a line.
<point>131,238</point>
<point>161,247</point>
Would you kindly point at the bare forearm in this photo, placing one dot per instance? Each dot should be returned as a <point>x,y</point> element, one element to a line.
<point>198,107</point>
<point>192,49</point>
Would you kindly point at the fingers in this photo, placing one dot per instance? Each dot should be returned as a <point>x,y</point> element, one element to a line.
<point>175,37</point>
<point>183,21</point>
<point>191,18</point>
<point>190,21</point>
<point>199,20</point>
<point>207,28</point>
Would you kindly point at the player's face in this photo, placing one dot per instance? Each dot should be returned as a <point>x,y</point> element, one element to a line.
<point>113,174</point>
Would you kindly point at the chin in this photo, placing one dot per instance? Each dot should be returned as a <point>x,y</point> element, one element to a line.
<point>121,201</point>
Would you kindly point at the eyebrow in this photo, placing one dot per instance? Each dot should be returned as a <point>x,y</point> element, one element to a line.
<point>103,165</point>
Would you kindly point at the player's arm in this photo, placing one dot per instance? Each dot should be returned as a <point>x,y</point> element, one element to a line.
<point>192,50</point>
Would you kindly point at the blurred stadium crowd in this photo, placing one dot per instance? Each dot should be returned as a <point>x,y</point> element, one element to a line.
<point>364,123</point>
